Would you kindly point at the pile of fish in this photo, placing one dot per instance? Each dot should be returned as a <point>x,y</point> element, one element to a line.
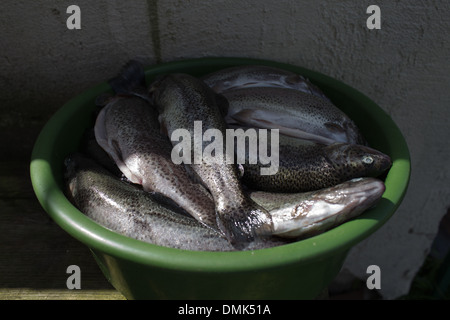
<point>124,176</point>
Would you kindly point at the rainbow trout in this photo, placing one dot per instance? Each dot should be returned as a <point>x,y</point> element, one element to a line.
<point>128,210</point>
<point>249,76</point>
<point>182,100</point>
<point>306,214</point>
<point>127,128</point>
<point>133,212</point>
<point>305,166</point>
<point>294,113</point>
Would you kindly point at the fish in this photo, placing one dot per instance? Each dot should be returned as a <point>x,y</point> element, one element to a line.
<point>127,128</point>
<point>130,211</point>
<point>301,215</point>
<point>90,147</point>
<point>306,166</point>
<point>294,113</point>
<point>248,76</point>
<point>182,100</point>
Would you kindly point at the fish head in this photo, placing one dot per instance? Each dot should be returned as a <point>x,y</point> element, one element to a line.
<point>328,208</point>
<point>356,192</point>
<point>78,167</point>
<point>357,160</point>
<point>349,199</point>
<point>72,167</point>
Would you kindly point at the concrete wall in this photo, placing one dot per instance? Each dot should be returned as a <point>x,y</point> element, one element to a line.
<point>404,67</point>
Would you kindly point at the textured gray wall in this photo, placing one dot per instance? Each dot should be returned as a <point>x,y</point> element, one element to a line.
<point>404,67</point>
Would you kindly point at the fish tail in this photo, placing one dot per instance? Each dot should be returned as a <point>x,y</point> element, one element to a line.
<point>130,80</point>
<point>243,224</point>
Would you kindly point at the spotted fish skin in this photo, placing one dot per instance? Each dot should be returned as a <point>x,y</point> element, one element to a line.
<point>128,210</point>
<point>305,166</point>
<point>181,100</point>
<point>127,128</point>
<point>305,214</point>
<point>132,212</point>
<point>294,113</point>
<point>249,76</point>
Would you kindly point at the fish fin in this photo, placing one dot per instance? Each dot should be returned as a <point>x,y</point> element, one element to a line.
<point>337,131</point>
<point>112,150</point>
<point>294,79</point>
<point>243,115</point>
<point>120,162</point>
<point>102,141</point>
<point>245,223</point>
<point>334,127</point>
<point>268,120</point>
<point>300,134</point>
<point>131,80</point>
<point>100,130</point>
<point>265,118</point>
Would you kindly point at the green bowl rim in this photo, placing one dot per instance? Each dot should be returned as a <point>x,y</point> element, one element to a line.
<point>337,240</point>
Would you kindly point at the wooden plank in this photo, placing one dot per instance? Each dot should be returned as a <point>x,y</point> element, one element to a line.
<point>49,294</point>
<point>35,252</point>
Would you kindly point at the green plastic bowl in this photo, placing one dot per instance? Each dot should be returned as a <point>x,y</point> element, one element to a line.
<point>140,270</point>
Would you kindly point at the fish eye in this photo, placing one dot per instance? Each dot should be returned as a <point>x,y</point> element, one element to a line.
<point>367,159</point>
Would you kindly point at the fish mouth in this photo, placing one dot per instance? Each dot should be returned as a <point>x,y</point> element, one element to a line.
<point>385,162</point>
<point>338,205</point>
<point>352,197</point>
<point>364,192</point>
<point>372,161</point>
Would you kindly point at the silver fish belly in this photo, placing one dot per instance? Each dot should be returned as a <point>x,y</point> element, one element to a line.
<point>127,210</point>
<point>293,112</point>
<point>259,76</point>
<point>297,215</point>
<point>181,100</point>
<point>128,130</point>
